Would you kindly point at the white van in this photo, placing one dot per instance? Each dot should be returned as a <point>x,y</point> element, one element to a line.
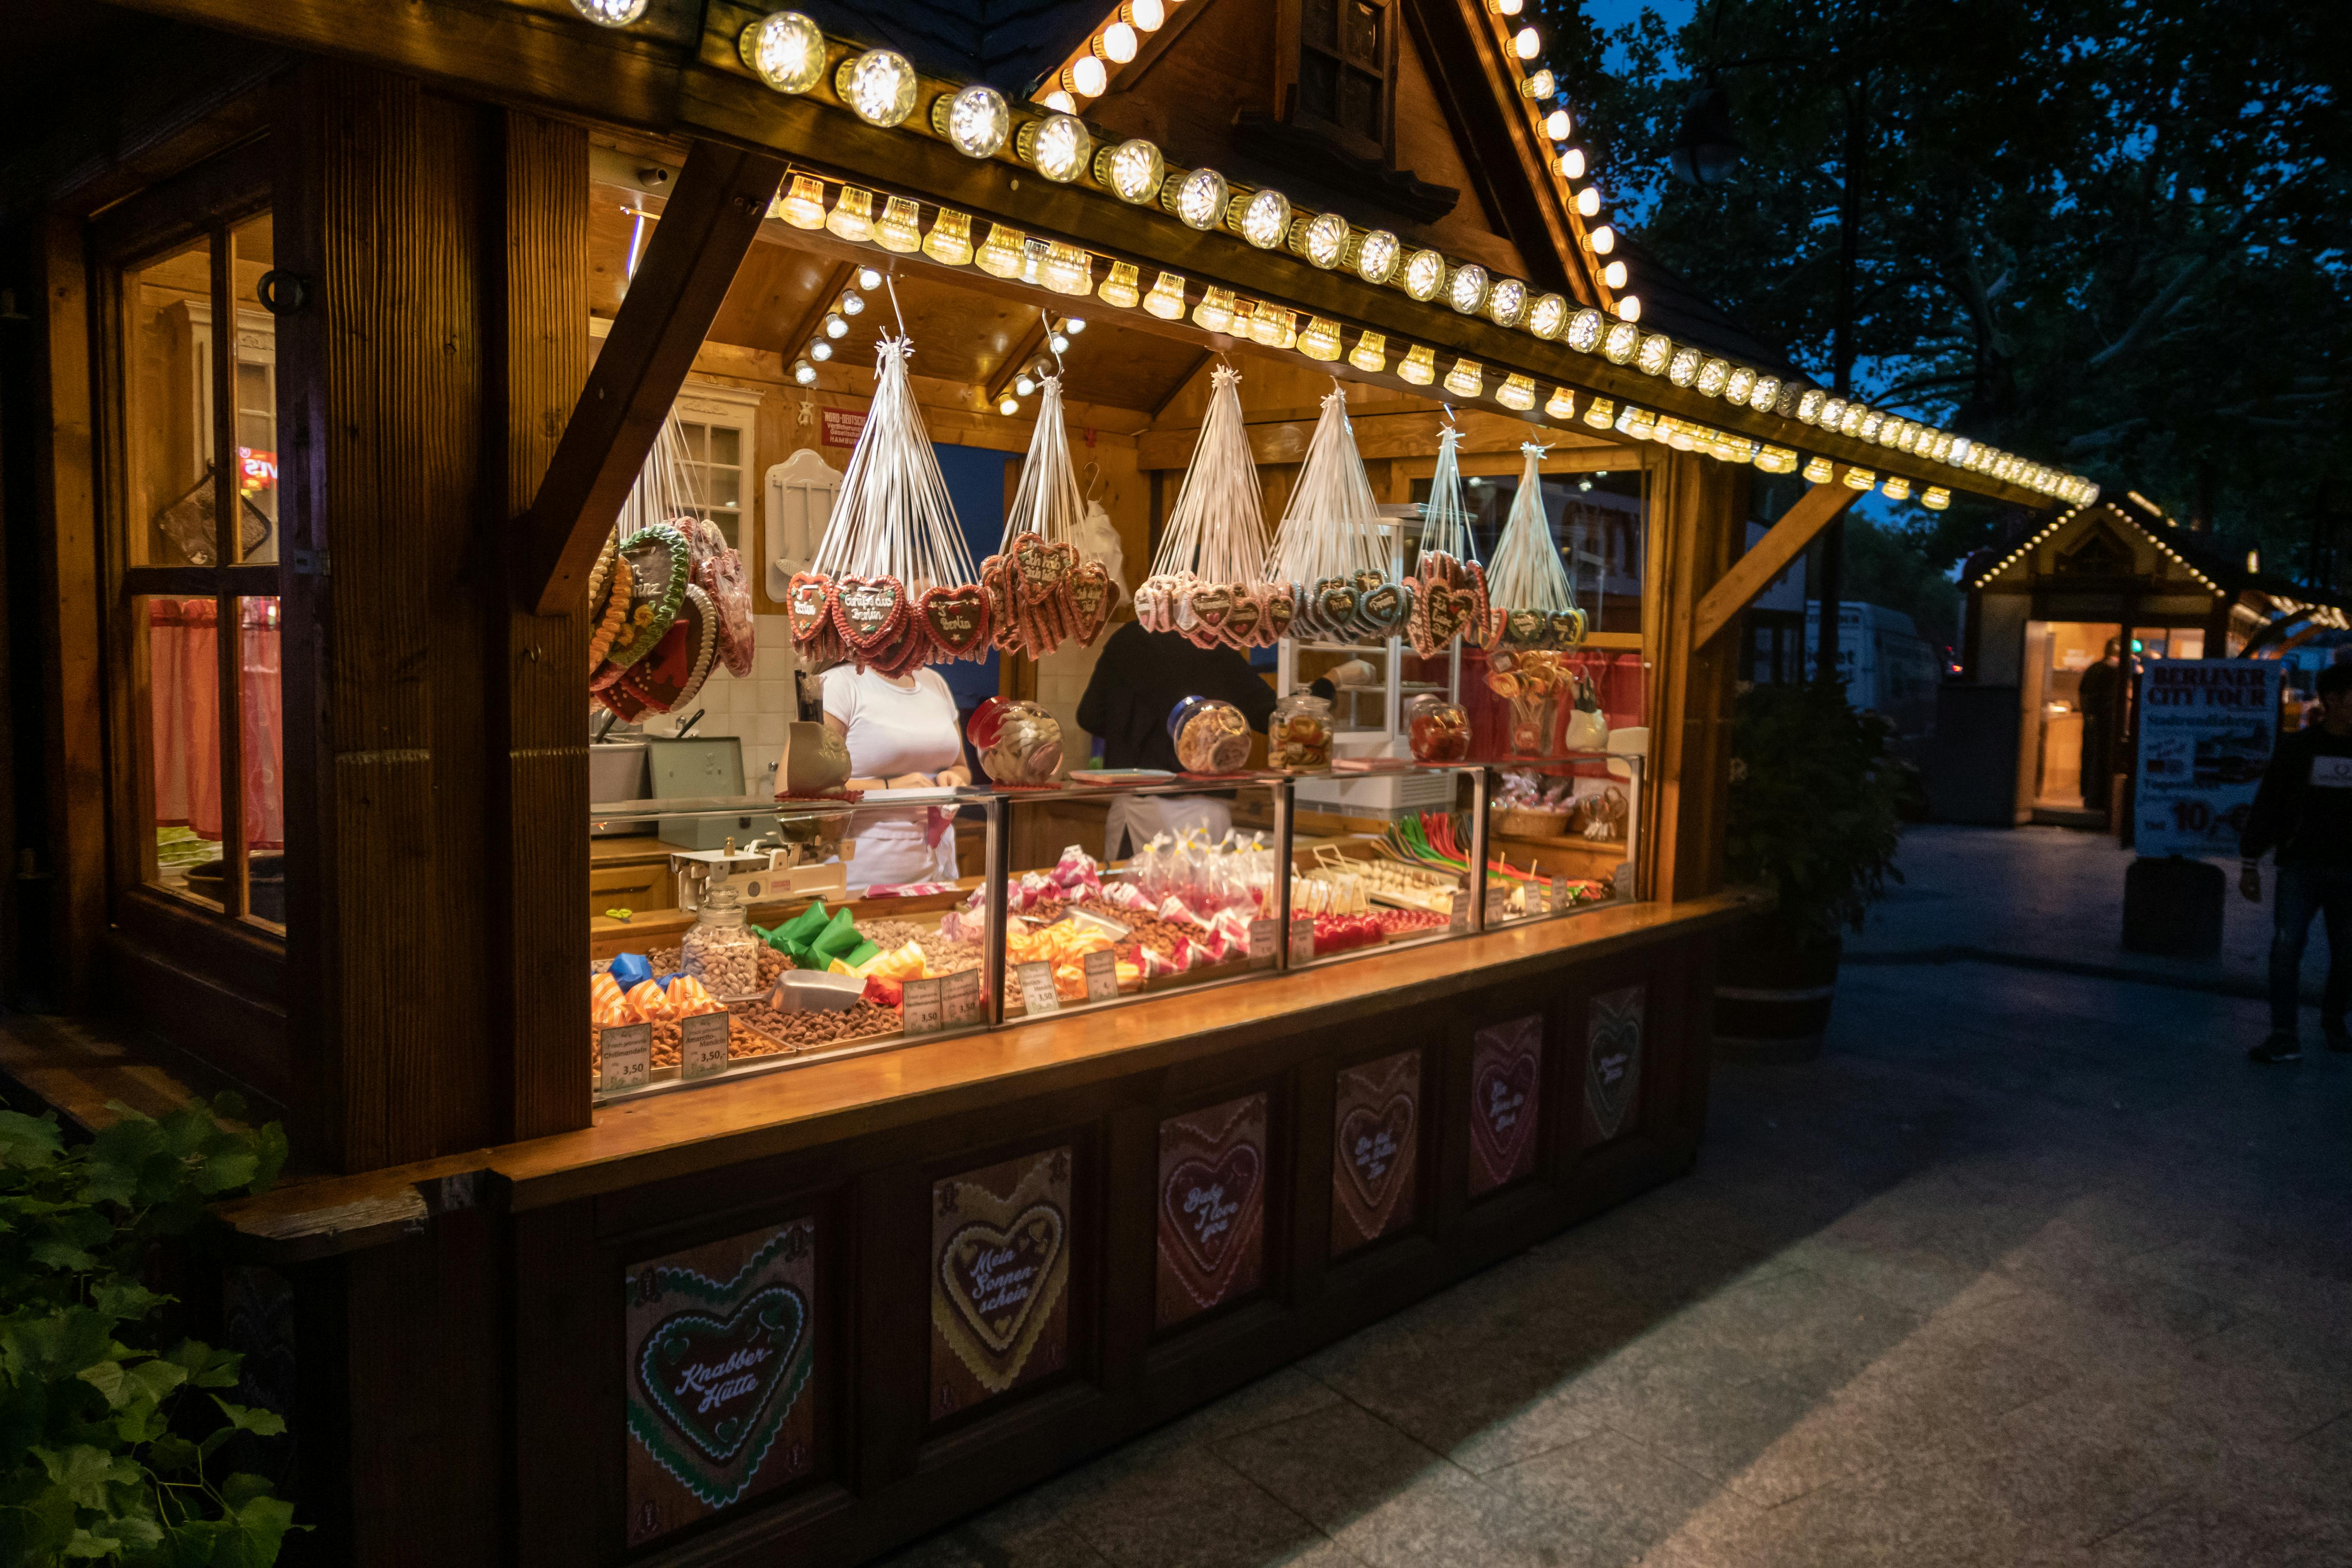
<point>1887,667</point>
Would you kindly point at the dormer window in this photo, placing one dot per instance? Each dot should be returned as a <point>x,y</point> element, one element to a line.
<point>1347,71</point>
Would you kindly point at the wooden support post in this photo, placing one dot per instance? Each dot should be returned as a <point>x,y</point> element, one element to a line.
<point>1819,507</point>
<point>1697,507</point>
<point>705,230</point>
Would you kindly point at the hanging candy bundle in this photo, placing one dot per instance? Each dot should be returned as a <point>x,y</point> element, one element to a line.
<point>891,587</point>
<point>1531,601</point>
<point>1450,587</point>
<point>1209,579</point>
<point>668,599</point>
<point>1041,594</point>
<point>1331,543</point>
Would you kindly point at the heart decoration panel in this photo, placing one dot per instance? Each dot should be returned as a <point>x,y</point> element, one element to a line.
<point>1505,1095</point>
<point>1000,1279</point>
<point>720,1351</point>
<point>1213,1170</point>
<point>1613,1062</point>
<point>1375,1150</point>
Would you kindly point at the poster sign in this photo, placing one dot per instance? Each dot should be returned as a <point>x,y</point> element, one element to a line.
<point>1212,1207</point>
<point>999,1277</point>
<point>719,1354</point>
<point>1613,1061</point>
<point>1506,1081</point>
<point>2206,729</point>
<point>842,426</point>
<point>1374,1148</point>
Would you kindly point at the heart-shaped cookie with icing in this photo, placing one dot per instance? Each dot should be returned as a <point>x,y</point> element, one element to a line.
<point>1281,602</point>
<point>1090,601</point>
<point>1384,606</point>
<point>1244,619</point>
<point>956,619</point>
<point>1210,604</point>
<point>808,604</point>
<point>1334,602</point>
<point>1524,629</point>
<point>868,612</point>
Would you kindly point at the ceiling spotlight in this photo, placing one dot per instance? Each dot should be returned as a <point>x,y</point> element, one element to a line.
<point>1008,404</point>
<point>804,372</point>
<point>852,302</point>
<point>819,350</point>
<point>835,327</point>
<point>1058,343</point>
<point>1060,103</point>
<point>868,279</point>
<point>1023,385</point>
<point>1074,325</point>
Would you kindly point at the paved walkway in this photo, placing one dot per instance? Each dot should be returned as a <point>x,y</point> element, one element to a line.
<point>2031,1268</point>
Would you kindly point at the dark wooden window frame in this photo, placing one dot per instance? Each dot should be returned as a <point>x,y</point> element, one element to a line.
<point>1291,62</point>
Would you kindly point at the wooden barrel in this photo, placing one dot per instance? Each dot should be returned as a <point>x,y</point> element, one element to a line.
<point>1772,995</point>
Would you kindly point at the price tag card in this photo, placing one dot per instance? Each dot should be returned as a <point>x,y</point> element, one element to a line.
<point>1498,905</point>
<point>702,1045</point>
<point>1037,993</point>
<point>1262,939</point>
<point>626,1051</point>
<point>1102,975</point>
<point>1560,899</point>
<point>1302,942</point>
<point>960,998</point>
<point>1458,923</point>
<point>921,1000</point>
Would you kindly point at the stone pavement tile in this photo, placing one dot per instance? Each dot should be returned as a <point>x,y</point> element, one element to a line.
<point>2259,1281</point>
<point>2275,1379</point>
<point>2331,1445</point>
<point>1608,1499</point>
<point>2064,1262</point>
<point>1915,1515</point>
<point>1384,1498</point>
<point>972,1546</point>
<point>2279,1510</point>
<point>1188,1508</point>
<point>1278,1396</point>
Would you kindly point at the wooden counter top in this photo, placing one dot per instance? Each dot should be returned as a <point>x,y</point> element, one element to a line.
<point>662,1136</point>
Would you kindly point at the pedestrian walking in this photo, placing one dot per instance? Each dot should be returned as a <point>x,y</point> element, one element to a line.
<point>2304,811</point>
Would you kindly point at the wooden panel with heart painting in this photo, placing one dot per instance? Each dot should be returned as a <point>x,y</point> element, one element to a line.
<point>1375,1150</point>
<point>1000,1279</point>
<point>1213,1170</point>
<point>1506,1101</point>
<point>720,1351</point>
<point>1614,1028</point>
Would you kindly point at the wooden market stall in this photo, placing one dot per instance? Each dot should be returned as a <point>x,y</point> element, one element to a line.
<point>480,257</point>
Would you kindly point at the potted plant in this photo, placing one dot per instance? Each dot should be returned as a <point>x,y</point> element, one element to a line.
<point>1815,817</point>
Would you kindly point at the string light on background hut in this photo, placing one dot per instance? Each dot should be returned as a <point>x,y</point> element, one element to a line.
<point>1540,85</point>
<point>1556,125</point>
<point>1618,345</point>
<point>1600,414</point>
<point>1764,393</point>
<point>784,49</point>
<point>1526,44</point>
<point>1602,238</point>
<point>1131,171</point>
<point>1810,403</point>
<point>1516,392</point>
<point>1777,460</point>
<point>1466,288</point>
<point>1116,43</point>
<point>1546,316</point>
<point>878,86</point>
<point>1120,289</point>
<point>1373,254</point>
<point>1056,147</point>
<point>1425,275</point>
<point>1144,16</point>
<point>1818,471</point>
<point>1261,217</point>
<point>1321,239</point>
<point>1419,366</point>
<point>1370,354</point>
<point>1023,385</point>
<point>949,241</point>
<point>1562,404</point>
<point>1166,300</point>
<point>1320,340</point>
<point>1629,308</point>
<point>610,13</point>
<point>1003,253</point>
<point>1614,275</point>
<point>1860,479</point>
<point>1466,379</point>
<point>852,217</point>
<point>1506,302</point>
<point>1086,77</point>
<point>1584,331</point>
<point>804,372</point>
<point>1682,369</point>
<point>975,122</point>
<point>1215,311</point>
<point>1571,163</point>
<point>804,204</point>
<point>1073,325</point>
<point>1196,199</point>
<point>900,228</point>
<point>1896,487</point>
<point>1935,498</point>
<point>1713,377</point>
<point>1656,354</point>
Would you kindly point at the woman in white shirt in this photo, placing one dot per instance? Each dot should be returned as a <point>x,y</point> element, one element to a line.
<point>902,735</point>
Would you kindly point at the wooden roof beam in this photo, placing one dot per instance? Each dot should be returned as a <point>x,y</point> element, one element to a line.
<point>1819,507</point>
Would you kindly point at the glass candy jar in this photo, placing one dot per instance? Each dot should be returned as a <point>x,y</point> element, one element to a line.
<point>719,949</point>
<point>1211,736</point>
<point>1019,743</point>
<point>1438,731</point>
<point>1299,738</point>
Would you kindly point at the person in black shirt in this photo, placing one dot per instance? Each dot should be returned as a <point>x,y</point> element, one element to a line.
<point>1139,679</point>
<point>2304,810</point>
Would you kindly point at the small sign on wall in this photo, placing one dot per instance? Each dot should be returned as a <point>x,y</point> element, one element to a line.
<point>841,427</point>
<point>1376,1146</point>
<point>1000,1279</point>
<point>1212,1207</point>
<point>1506,1088</point>
<point>1613,1062</point>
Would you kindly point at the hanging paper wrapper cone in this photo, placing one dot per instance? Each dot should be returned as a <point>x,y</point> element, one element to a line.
<point>1532,598</point>
<point>1210,579</point>
<point>1041,594</point>
<point>1450,587</point>
<point>891,586</point>
<point>1333,541</point>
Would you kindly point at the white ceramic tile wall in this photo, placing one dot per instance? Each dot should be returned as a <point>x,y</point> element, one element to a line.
<point>754,708</point>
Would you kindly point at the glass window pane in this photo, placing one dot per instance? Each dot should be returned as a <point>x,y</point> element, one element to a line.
<point>723,490</point>
<point>256,396</point>
<point>261,756</point>
<point>167,409</point>
<point>726,445</point>
<point>176,694</point>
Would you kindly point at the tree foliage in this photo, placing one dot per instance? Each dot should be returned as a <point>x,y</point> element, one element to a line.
<point>2107,233</point>
<point>111,1424</point>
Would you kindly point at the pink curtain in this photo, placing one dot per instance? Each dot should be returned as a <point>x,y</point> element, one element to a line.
<point>184,672</point>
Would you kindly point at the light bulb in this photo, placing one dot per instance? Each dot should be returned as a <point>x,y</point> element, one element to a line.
<point>852,302</point>
<point>1374,255</point>
<point>1896,487</point>
<point>1539,85</point>
<point>1060,103</point>
<point>1832,413</point>
<point>1067,269</point>
<point>1275,329</point>
<point>1546,316</point>
<point>819,349</point>
<point>610,13</point>
<point>784,49</point>
<point>1604,239</point>
<point>1850,422</point>
<point>1713,376</point>
<point>1057,147</point>
<point>1629,308</point>
<point>1425,275</point>
<point>1656,354</point>
<point>1937,498</point>
<point>1810,403</point>
<point>1321,239</point>
<point>1556,125</point>
<point>1571,163</point>
<point>1320,340</point>
<point>1116,43</point>
<point>1131,171</point>
<point>1215,311</point>
<point>1261,217</point>
<point>975,122</point>
<point>1146,16</point>
<point>1871,422</point>
<point>878,86</point>
<point>835,327</point>
<point>1617,345</point>
<point>949,241</point>
<point>1466,288</point>
<point>1587,200</point>
<point>1058,343</point>
<point>1600,414</point>
<point>1682,369</point>
<point>1766,392</point>
<point>1086,77</point>
<point>1196,199</point>
<point>1420,367</point>
<point>852,217</point>
<point>1074,325</point>
<point>804,205</point>
<point>1508,7</point>
<point>1003,253</point>
<point>1614,275</point>
<point>1741,384</point>
<point>900,228</point>
<point>804,372</point>
<point>1166,300</point>
<point>1021,385</point>
<point>1584,331</point>
<point>1860,480</point>
<point>1818,471</point>
<point>1119,289</point>
<point>1562,404</point>
<point>1526,44</point>
<point>1370,354</point>
<point>1506,302</point>
<point>1008,405</point>
<point>1516,392</point>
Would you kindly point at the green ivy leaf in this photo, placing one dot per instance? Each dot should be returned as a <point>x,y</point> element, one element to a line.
<point>30,1142</point>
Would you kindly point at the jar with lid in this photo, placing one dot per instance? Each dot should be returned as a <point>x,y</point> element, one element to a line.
<point>1211,736</point>
<point>1438,731</point>
<point>1019,743</point>
<point>719,949</point>
<point>1298,737</point>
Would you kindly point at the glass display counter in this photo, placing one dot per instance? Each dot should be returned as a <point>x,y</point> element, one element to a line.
<point>1083,895</point>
